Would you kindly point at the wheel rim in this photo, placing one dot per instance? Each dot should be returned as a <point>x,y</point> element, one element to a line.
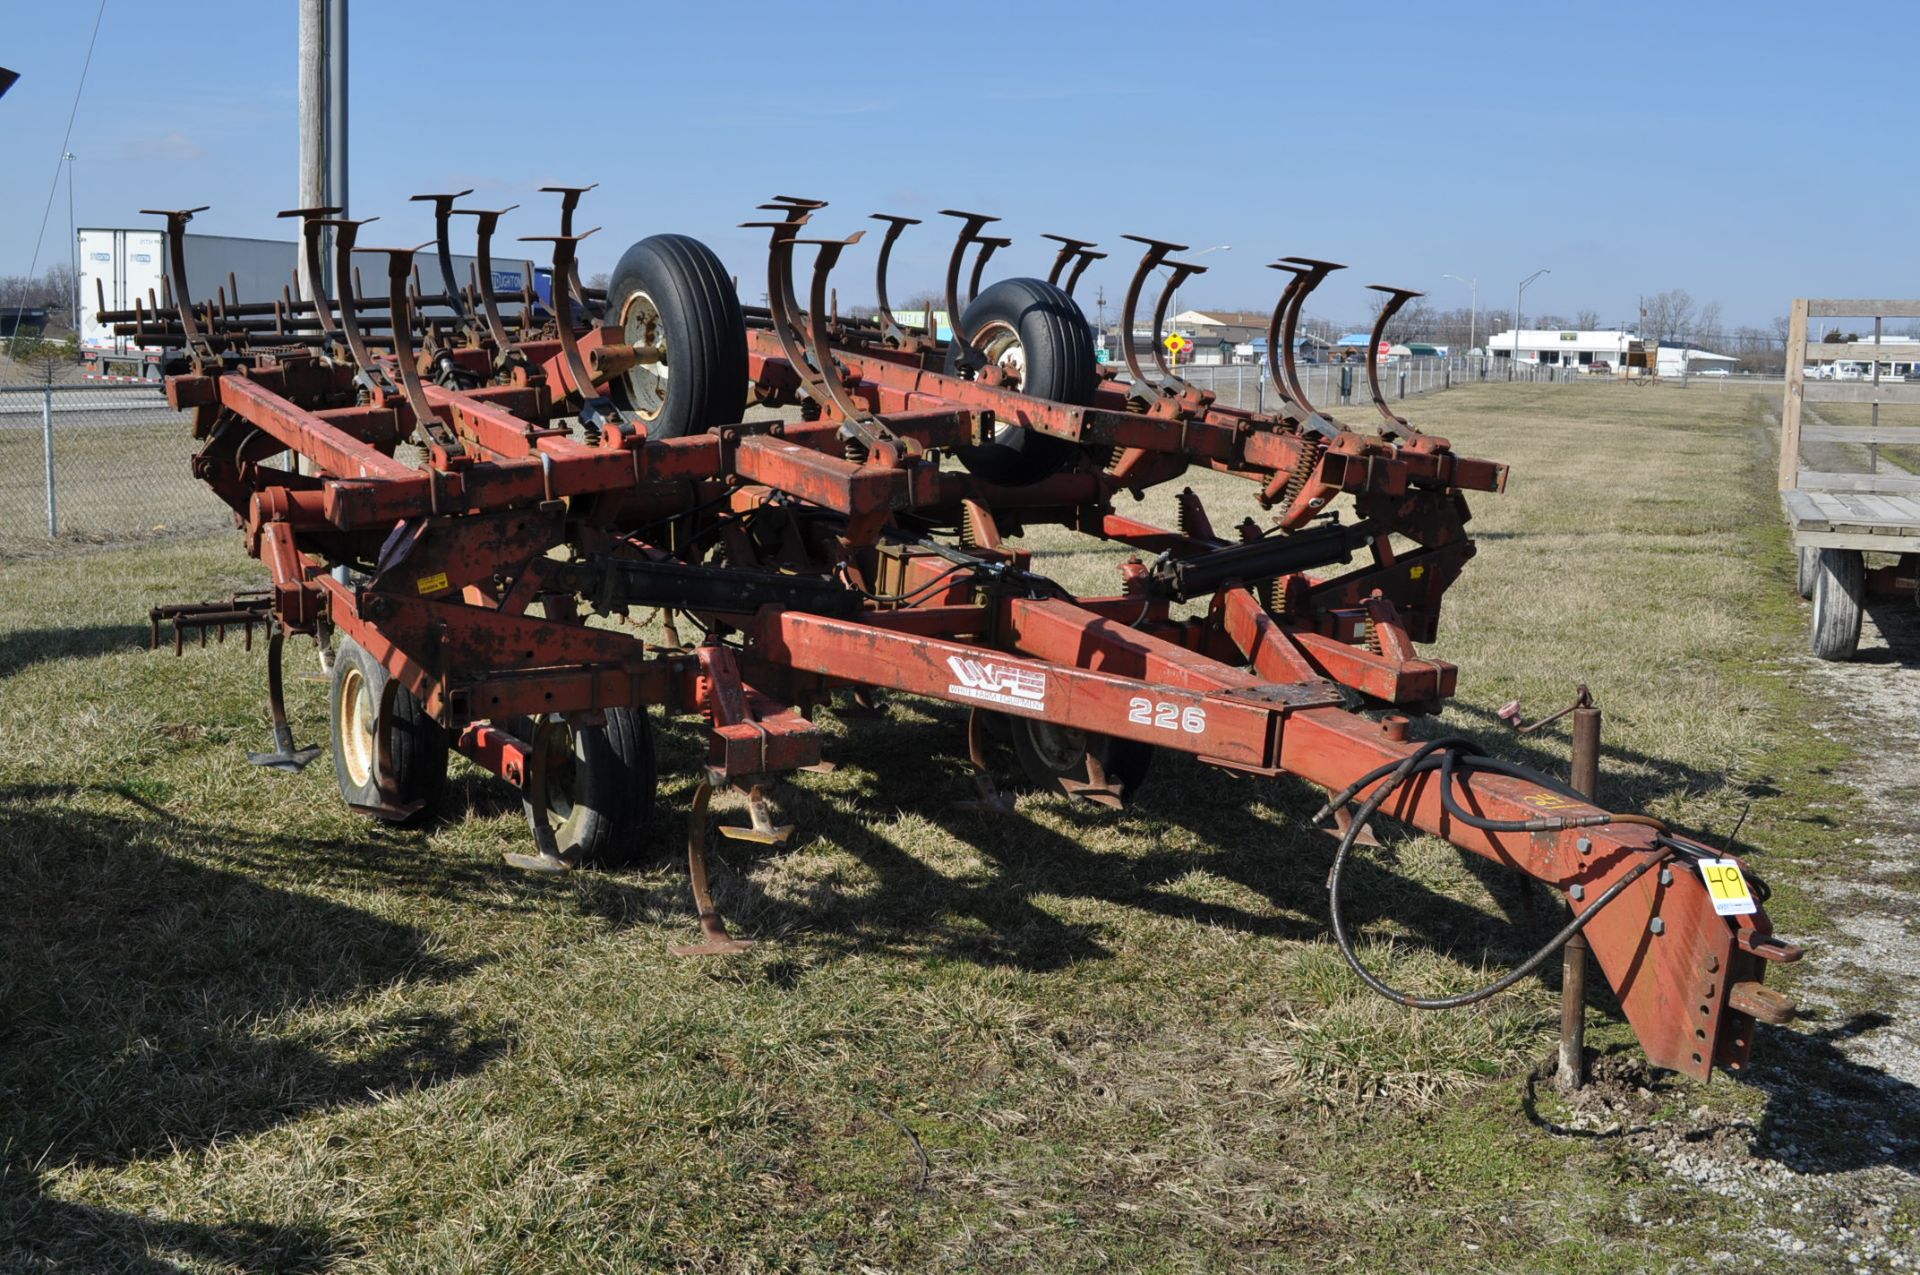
<point>646,382</point>
<point>1061,749</point>
<point>359,717</point>
<point>1000,342</point>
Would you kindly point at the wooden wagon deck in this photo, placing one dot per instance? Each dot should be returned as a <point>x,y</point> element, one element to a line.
<point>1886,522</point>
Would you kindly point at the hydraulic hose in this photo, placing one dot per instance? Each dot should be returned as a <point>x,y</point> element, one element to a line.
<point>1453,750</point>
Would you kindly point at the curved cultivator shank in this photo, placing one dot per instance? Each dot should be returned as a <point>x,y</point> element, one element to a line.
<point>838,550</point>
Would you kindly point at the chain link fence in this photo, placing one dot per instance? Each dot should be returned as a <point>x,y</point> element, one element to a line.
<point>1335,385</point>
<point>90,463</point>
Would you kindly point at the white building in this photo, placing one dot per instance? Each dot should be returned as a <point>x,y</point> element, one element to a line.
<point>1595,351</point>
<point>1898,357</point>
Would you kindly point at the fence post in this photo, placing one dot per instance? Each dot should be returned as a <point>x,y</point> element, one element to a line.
<point>46,433</point>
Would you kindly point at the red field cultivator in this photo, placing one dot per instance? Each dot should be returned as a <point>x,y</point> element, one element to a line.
<point>464,488</point>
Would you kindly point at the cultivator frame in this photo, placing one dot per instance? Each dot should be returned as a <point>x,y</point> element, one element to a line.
<point>838,554</point>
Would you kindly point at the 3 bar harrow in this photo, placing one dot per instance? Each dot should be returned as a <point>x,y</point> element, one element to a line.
<point>591,457</point>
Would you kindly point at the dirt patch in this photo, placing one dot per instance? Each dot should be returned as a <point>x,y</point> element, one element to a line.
<point>1873,706</point>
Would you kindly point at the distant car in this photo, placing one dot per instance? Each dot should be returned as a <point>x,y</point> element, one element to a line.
<point>1600,367</point>
<point>1712,371</point>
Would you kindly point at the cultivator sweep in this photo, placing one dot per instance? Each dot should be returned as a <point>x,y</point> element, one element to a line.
<point>467,488</point>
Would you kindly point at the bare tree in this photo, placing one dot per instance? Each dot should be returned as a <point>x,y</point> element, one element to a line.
<point>1706,325</point>
<point>1587,320</point>
<point>1668,316</point>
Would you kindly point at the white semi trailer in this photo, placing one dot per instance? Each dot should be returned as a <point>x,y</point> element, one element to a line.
<point>118,267</point>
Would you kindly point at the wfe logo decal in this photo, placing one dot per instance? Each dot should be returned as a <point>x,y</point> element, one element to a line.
<point>1003,684</point>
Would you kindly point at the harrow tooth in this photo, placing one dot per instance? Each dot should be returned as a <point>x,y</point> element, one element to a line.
<point>1308,274</point>
<point>569,200</point>
<point>1070,248</point>
<point>969,360</point>
<point>992,799</point>
<point>286,756</point>
<point>485,222</point>
<point>890,329</point>
<point>176,278</point>
<point>442,216</point>
<point>1086,258</point>
<point>1396,425</point>
<point>596,410</point>
<point>762,831</point>
<point>1144,388</point>
<point>431,429</point>
<point>988,246</point>
<point>714,940</point>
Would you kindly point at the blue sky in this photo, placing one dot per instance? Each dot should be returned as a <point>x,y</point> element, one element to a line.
<point>1630,148</point>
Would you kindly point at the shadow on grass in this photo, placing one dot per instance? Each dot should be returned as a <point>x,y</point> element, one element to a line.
<point>1898,620</point>
<point>22,647</point>
<point>147,1002</point>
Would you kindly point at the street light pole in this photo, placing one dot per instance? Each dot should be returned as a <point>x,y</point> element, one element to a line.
<point>1519,293</point>
<point>1473,315</point>
<point>1219,247</point>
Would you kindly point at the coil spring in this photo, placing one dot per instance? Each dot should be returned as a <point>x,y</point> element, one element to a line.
<point>809,409</point>
<point>1274,595</point>
<point>1302,471</point>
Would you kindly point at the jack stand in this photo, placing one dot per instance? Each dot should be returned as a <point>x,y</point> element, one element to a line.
<point>1571,1073</point>
<point>714,939</point>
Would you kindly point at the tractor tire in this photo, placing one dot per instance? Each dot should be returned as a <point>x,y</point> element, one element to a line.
<point>1803,574</point>
<point>418,745</point>
<point>1839,586</point>
<point>671,292</point>
<point>1054,758</point>
<point>1031,326</point>
<point>600,786</point>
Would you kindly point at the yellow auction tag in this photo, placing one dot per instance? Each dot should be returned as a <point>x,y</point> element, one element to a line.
<point>435,583</point>
<point>1728,886</point>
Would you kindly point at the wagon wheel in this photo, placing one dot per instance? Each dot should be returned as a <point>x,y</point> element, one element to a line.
<point>401,781</point>
<point>671,294</point>
<point>1038,338</point>
<point>1097,768</point>
<point>1839,585</point>
<point>599,784</point>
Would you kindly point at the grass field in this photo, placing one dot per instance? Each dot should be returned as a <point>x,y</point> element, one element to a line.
<point>246,1031</point>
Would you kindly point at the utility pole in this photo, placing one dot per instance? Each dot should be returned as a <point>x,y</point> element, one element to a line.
<point>323,121</point>
<point>337,111</point>
<point>73,251</point>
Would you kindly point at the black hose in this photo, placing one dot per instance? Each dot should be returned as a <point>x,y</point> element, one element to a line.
<point>1422,760</point>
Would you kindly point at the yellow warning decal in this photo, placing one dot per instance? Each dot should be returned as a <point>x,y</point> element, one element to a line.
<point>435,583</point>
<point>1552,801</point>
